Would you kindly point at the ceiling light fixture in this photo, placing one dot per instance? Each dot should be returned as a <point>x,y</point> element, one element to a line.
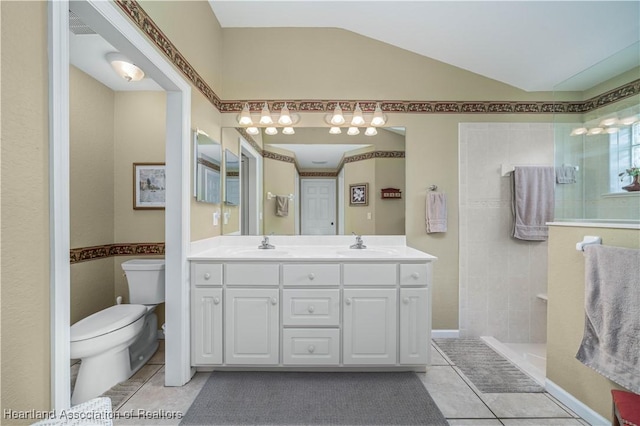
<point>353,131</point>
<point>124,67</point>
<point>265,115</point>
<point>358,119</point>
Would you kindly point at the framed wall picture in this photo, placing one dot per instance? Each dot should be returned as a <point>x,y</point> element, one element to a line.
<point>359,194</point>
<point>149,186</point>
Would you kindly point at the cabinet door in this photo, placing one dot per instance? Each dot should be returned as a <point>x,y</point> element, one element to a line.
<point>251,326</point>
<point>414,324</point>
<point>369,326</point>
<point>207,326</point>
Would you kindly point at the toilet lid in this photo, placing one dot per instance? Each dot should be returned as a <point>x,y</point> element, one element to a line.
<point>106,321</point>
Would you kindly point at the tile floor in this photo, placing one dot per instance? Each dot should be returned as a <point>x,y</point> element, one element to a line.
<point>142,396</point>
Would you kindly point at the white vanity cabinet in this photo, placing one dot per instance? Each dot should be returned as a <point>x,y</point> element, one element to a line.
<point>309,313</point>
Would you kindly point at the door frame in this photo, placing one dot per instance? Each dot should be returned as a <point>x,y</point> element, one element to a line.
<point>107,20</point>
<point>254,186</point>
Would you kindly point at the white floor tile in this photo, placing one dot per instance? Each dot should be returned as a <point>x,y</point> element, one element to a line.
<point>526,405</point>
<point>474,422</point>
<point>437,358</point>
<point>541,422</point>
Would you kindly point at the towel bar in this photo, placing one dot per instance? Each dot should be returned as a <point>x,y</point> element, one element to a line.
<point>270,195</point>
<point>587,240</point>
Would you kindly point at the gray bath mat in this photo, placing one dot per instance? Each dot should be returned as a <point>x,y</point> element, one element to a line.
<point>295,398</point>
<point>487,370</point>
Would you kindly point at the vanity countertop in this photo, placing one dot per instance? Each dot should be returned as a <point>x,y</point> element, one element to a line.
<point>306,248</point>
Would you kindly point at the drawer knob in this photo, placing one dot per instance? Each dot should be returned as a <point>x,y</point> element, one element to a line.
<point>415,275</point>
<point>311,309</point>
<point>207,275</point>
<point>347,301</point>
<point>274,301</point>
<point>311,276</point>
<point>216,300</point>
<point>311,349</point>
<point>405,300</point>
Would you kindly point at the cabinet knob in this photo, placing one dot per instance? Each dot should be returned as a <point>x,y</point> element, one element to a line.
<point>311,309</point>
<point>274,301</point>
<point>311,276</point>
<point>415,275</point>
<point>347,301</point>
<point>216,300</point>
<point>405,300</point>
<point>311,349</point>
<point>207,276</point>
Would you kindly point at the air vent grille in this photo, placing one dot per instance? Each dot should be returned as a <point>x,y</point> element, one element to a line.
<point>77,26</point>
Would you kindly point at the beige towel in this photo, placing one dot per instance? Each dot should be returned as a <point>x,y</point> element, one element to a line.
<point>611,342</point>
<point>282,205</point>
<point>533,199</point>
<point>436,212</point>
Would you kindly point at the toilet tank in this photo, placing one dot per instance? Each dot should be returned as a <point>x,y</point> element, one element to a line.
<point>146,280</point>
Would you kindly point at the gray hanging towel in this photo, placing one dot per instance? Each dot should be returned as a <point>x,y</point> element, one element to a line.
<point>533,200</point>
<point>282,205</point>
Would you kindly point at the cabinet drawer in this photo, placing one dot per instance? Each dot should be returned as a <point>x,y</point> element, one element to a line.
<point>414,274</point>
<point>311,307</point>
<point>370,274</point>
<point>311,346</point>
<point>209,274</point>
<point>311,274</point>
<point>267,274</point>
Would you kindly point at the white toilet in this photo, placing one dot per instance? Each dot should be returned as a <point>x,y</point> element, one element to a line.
<point>114,343</point>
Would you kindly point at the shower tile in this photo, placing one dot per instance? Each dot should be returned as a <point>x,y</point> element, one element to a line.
<point>534,405</point>
<point>518,327</point>
<point>497,325</point>
<point>452,395</point>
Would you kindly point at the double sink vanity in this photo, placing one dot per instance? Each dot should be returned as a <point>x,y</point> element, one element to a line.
<point>310,302</point>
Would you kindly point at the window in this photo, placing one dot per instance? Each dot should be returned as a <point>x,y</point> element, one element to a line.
<point>624,150</point>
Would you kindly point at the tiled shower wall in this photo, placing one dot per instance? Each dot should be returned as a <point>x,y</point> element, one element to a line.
<point>499,275</point>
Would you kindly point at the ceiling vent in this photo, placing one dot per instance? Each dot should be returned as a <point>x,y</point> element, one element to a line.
<point>77,26</point>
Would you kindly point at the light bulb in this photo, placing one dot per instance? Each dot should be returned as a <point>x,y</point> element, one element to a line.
<point>271,131</point>
<point>353,131</point>
<point>627,121</point>
<point>579,131</point>
<point>371,131</point>
<point>285,118</point>
<point>608,121</point>
<point>595,131</point>
<point>611,130</point>
<point>253,130</point>
<point>335,130</point>
<point>378,118</point>
<point>357,119</point>
<point>288,131</point>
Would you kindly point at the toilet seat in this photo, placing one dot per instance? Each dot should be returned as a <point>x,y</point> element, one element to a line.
<point>106,321</point>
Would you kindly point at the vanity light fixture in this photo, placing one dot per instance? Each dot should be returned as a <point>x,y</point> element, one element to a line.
<point>378,117</point>
<point>628,121</point>
<point>285,117</point>
<point>265,115</point>
<point>353,131</point>
<point>288,131</point>
<point>124,67</point>
<point>244,119</point>
<point>608,122</point>
<point>271,131</point>
<point>335,130</point>
<point>337,119</point>
<point>358,119</point>
<point>579,131</point>
<point>253,131</point>
<point>371,131</point>
<point>611,130</point>
<point>595,131</point>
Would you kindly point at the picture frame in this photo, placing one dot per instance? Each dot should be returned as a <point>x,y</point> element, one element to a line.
<point>359,194</point>
<point>149,186</point>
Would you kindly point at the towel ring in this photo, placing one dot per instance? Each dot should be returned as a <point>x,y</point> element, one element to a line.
<point>433,187</point>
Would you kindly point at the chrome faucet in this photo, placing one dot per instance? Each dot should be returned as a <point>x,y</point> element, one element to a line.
<point>358,244</point>
<point>265,244</point>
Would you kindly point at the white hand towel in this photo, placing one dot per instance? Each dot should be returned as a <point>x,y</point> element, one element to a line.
<point>436,212</point>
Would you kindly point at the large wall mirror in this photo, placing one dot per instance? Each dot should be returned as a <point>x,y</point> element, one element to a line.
<point>316,183</point>
<point>207,167</point>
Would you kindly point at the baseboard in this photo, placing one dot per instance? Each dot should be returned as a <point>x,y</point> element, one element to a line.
<point>575,405</point>
<point>445,334</point>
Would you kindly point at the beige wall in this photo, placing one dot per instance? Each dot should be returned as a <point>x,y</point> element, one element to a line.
<point>389,215</point>
<point>91,157</point>
<point>356,217</point>
<point>566,314</point>
<point>281,177</point>
<point>25,208</point>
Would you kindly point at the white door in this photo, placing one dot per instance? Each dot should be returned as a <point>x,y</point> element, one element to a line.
<point>370,326</point>
<point>318,207</point>
<point>414,322</point>
<point>206,327</point>
<point>251,326</point>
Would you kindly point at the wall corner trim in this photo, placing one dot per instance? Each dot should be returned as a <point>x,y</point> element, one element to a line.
<point>445,334</point>
<point>575,405</point>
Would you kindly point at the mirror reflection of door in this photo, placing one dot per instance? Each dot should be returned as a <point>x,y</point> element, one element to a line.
<point>318,206</point>
<point>244,194</point>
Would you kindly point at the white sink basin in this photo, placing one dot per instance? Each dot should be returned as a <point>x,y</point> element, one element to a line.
<point>368,252</point>
<point>255,252</point>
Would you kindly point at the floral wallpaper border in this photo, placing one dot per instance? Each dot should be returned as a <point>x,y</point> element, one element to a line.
<point>140,18</point>
<point>83,254</point>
